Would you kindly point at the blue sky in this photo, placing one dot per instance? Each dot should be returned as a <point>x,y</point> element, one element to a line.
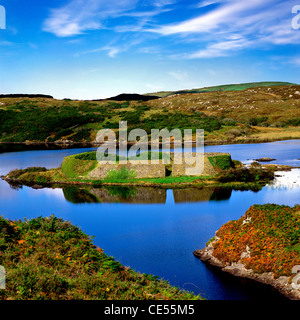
<point>89,49</point>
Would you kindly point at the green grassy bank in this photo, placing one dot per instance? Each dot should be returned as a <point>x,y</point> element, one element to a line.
<point>48,258</point>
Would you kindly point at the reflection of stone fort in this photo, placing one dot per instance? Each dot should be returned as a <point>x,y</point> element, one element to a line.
<point>143,195</point>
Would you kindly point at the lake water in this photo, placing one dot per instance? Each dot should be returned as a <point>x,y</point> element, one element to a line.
<point>154,230</point>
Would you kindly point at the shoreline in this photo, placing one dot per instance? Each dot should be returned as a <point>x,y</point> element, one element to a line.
<point>205,183</point>
<point>69,266</point>
<point>282,284</point>
<point>91,144</point>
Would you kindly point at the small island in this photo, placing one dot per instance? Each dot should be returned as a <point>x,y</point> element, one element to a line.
<point>84,169</point>
<point>263,245</point>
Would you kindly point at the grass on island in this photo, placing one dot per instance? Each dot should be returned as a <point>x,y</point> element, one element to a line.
<point>271,233</point>
<point>236,177</point>
<point>48,258</point>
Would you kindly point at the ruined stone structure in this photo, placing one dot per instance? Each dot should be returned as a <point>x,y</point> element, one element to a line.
<point>212,162</point>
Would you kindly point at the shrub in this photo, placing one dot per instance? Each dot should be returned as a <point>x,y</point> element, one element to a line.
<point>255,164</point>
<point>293,122</point>
<point>272,234</point>
<point>221,162</point>
<point>235,132</point>
<point>87,156</point>
<point>14,174</point>
<point>257,121</point>
<point>245,175</point>
<point>228,122</point>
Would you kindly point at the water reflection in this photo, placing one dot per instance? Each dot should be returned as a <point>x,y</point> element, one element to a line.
<point>143,195</point>
<point>286,180</point>
<point>162,239</point>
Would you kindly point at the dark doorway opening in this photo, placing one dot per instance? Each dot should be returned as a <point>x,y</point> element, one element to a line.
<point>168,171</point>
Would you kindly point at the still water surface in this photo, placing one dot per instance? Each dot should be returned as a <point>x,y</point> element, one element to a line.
<point>153,230</point>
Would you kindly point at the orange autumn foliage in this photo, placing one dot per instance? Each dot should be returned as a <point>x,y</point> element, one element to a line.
<point>271,232</point>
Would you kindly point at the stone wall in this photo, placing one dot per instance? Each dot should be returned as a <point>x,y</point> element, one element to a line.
<point>181,169</point>
<point>148,170</point>
<point>141,170</point>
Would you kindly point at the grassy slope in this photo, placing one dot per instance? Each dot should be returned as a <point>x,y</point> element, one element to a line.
<point>250,115</point>
<point>48,258</point>
<point>227,87</point>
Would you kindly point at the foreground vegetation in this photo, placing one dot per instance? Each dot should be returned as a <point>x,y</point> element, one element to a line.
<point>48,258</point>
<point>228,114</point>
<point>269,234</point>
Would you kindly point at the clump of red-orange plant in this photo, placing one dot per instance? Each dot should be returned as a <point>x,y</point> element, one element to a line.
<point>269,233</point>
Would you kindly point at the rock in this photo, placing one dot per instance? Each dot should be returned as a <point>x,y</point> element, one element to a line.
<point>36,186</point>
<point>264,159</point>
<point>246,254</point>
<point>291,289</point>
<point>202,254</point>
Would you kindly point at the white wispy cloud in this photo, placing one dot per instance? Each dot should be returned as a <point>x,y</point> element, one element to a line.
<point>234,25</point>
<point>79,16</point>
<point>112,51</point>
<point>230,12</point>
<point>206,3</point>
<point>218,27</point>
<point>221,49</point>
<point>180,76</point>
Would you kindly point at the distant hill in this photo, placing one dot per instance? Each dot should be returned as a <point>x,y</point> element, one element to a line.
<point>131,97</point>
<point>228,87</point>
<point>228,114</point>
<point>25,96</point>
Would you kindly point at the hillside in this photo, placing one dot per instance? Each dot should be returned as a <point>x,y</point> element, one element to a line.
<point>130,97</point>
<point>255,114</point>
<point>51,259</point>
<point>227,87</point>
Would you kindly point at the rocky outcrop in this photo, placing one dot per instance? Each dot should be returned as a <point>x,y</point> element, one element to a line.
<point>265,159</point>
<point>287,286</point>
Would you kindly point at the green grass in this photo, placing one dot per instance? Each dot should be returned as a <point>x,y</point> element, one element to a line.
<point>221,162</point>
<point>19,172</point>
<point>51,259</point>
<point>120,174</point>
<point>73,167</point>
<point>227,87</point>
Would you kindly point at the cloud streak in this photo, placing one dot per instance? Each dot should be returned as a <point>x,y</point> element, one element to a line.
<point>219,28</point>
<point>237,25</point>
<point>79,16</point>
